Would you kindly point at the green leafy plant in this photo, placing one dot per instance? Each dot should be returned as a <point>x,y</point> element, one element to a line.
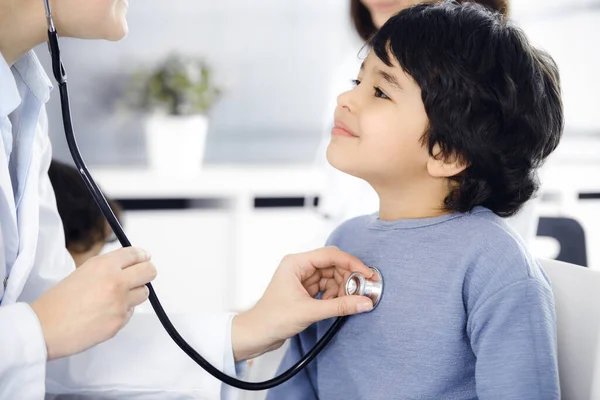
<point>177,86</point>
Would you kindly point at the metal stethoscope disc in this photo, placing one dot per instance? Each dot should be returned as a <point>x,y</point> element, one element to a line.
<point>357,284</point>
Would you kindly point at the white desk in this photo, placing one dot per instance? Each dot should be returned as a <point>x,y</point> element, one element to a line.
<point>211,181</point>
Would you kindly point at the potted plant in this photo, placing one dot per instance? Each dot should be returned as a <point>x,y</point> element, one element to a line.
<point>177,96</point>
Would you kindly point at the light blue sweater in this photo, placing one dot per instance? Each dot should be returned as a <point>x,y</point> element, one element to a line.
<point>466,313</point>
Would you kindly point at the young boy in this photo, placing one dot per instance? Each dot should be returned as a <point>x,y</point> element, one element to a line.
<point>452,113</point>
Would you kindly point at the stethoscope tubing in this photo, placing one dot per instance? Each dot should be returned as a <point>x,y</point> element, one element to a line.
<point>61,78</point>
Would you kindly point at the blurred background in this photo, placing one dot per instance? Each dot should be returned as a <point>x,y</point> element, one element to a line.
<point>219,188</point>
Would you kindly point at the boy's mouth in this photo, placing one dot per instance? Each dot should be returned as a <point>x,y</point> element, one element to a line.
<point>340,129</point>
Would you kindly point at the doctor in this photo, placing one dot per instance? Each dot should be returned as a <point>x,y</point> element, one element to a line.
<point>61,328</point>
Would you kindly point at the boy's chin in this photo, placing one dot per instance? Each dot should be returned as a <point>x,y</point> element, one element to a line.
<point>117,32</point>
<point>345,166</point>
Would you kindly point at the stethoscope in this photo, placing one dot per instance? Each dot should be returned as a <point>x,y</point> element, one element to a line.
<point>356,283</point>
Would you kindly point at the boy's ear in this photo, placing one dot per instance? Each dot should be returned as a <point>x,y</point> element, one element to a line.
<point>440,166</point>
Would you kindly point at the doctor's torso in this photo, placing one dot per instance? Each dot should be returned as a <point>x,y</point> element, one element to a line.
<point>30,227</point>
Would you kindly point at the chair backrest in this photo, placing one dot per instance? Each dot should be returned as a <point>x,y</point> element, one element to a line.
<point>577,298</point>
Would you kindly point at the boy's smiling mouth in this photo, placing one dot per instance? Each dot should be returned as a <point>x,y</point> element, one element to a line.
<point>341,129</point>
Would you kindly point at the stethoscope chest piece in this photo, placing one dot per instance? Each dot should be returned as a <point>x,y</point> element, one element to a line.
<point>357,284</point>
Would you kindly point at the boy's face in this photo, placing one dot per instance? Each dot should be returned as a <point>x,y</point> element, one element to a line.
<point>378,127</point>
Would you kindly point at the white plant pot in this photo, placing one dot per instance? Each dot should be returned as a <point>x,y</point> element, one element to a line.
<point>176,143</point>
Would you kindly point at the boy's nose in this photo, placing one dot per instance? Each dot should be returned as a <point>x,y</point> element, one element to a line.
<point>346,101</point>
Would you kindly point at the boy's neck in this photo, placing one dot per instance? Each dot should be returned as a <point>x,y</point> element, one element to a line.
<point>416,201</point>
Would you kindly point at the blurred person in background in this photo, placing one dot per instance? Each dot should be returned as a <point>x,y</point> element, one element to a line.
<point>86,229</point>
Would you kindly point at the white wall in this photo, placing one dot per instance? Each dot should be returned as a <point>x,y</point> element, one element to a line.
<point>274,57</point>
<point>569,30</point>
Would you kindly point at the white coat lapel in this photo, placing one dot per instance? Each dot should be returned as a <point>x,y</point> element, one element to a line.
<point>28,223</point>
<point>8,220</point>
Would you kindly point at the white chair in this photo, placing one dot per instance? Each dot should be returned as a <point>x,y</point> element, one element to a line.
<point>577,297</point>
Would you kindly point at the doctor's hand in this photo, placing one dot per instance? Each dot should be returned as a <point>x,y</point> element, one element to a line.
<point>288,305</point>
<point>93,303</point>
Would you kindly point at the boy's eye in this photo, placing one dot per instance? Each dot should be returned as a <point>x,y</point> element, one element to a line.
<point>380,94</point>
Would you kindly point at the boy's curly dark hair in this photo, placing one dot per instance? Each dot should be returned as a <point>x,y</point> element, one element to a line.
<point>491,98</point>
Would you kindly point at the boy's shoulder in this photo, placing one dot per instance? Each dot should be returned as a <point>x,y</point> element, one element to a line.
<point>488,231</point>
<point>492,234</point>
<point>491,240</point>
<point>497,256</point>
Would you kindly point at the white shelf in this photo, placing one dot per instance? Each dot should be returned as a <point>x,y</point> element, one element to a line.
<point>562,174</point>
<point>221,181</point>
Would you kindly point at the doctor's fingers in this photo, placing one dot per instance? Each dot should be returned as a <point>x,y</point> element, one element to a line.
<point>125,257</point>
<point>313,290</point>
<point>330,288</point>
<point>139,274</point>
<point>338,276</point>
<point>333,273</point>
<point>341,278</point>
<point>312,279</point>
<point>340,283</point>
<point>327,257</point>
<point>311,284</point>
<point>137,296</point>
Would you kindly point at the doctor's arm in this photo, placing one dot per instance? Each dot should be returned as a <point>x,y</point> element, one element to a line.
<point>143,362</point>
<point>60,322</point>
<point>61,311</point>
<point>79,308</point>
<point>289,304</point>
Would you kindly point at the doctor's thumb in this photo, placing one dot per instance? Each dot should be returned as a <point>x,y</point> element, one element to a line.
<point>341,306</point>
